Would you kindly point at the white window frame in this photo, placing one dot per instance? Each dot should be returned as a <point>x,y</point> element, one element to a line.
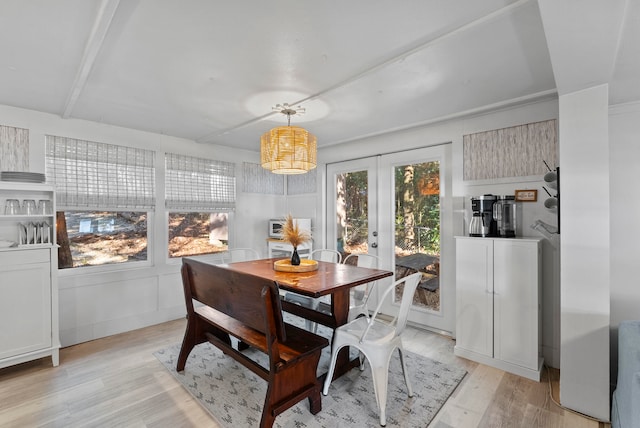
<point>194,184</point>
<point>94,176</point>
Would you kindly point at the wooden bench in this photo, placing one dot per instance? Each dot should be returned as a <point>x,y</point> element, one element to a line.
<point>248,308</point>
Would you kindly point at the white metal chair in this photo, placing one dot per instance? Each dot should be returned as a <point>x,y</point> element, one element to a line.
<point>377,340</point>
<point>323,255</point>
<point>360,294</point>
<point>326,255</point>
<point>240,255</point>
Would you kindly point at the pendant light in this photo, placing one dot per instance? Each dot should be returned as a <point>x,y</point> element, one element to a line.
<point>288,149</point>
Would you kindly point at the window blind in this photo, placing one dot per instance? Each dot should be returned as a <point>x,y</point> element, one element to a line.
<point>196,184</point>
<point>100,176</point>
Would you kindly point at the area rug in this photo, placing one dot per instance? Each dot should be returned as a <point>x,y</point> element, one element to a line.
<point>234,395</point>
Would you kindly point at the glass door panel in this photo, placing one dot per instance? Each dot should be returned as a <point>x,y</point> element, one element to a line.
<point>352,213</point>
<point>417,230</point>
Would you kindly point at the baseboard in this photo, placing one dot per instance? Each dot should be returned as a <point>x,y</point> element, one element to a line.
<point>502,365</point>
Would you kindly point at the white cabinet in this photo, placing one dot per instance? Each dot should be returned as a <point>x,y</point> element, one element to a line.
<point>28,282</point>
<point>279,248</point>
<point>498,282</point>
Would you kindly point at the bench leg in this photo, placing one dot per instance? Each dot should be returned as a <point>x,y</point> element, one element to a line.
<point>188,342</point>
<point>315,401</point>
<point>291,385</point>
<point>267,419</point>
<point>195,334</point>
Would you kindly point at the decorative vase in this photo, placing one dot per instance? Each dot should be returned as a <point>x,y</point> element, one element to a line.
<point>295,258</point>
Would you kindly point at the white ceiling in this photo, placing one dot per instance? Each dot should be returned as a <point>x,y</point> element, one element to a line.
<point>210,70</point>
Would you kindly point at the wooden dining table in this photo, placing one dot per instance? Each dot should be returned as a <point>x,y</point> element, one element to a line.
<point>330,279</point>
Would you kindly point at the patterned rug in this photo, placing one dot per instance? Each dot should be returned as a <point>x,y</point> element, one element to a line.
<point>234,395</point>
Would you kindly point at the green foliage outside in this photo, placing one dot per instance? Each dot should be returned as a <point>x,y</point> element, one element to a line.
<point>424,209</point>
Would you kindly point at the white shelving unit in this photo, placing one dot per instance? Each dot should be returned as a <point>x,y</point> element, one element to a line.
<point>29,286</point>
<point>498,282</point>
<point>280,248</point>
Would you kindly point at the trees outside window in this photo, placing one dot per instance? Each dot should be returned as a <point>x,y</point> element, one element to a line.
<point>197,233</point>
<point>94,238</point>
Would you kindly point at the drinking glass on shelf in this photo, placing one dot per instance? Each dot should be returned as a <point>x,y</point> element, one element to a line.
<point>45,207</point>
<point>12,207</point>
<point>29,206</point>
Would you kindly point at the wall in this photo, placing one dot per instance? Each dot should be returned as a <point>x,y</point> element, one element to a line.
<point>453,131</point>
<point>624,199</point>
<point>584,166</point>
<point>97,302</point>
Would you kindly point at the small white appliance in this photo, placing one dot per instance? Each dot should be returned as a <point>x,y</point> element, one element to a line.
<point>275,226</point>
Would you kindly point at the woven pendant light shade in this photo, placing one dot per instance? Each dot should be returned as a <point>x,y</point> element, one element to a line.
<point>288,150</point>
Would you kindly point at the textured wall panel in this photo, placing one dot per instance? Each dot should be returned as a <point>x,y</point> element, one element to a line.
<point>256,179</point>
<point>14,149</point>
<point>302,183</point>
<point>517,151</point>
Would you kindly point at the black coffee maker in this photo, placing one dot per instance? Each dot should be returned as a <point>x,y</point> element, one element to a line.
<point>483,223</point>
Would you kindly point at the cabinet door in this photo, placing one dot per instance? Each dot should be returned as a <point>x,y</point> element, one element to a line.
<point>25,308</point>
<point>516,279</point>
<point>474,295</point>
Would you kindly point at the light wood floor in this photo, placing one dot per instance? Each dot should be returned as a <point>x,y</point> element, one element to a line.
<point>117,382</point>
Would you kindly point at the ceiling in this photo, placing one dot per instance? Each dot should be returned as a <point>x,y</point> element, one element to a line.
<point>210,71</point>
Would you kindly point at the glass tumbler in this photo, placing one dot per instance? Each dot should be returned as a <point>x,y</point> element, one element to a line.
<point>29,206</point>
<point>45,207</point>
<point>12,207</point>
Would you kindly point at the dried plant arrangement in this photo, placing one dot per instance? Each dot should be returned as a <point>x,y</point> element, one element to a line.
<point>292,233</point>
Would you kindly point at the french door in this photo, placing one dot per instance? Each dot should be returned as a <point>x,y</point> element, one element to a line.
<point>398,206</point>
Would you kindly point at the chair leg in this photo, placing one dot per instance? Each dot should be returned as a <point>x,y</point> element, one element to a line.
<point>357,312</point>
<point>332,367</point>
<point>311,326</point>
<point>307,302</point>
<point>405,371</point>
<point>380,373</point>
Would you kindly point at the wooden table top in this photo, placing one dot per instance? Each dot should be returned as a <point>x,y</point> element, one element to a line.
<point>329,277</point>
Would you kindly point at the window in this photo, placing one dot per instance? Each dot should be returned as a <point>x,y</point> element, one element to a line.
<point>199,194</point>
<point>104,194</point>
<point>105,237</point>
<point>197,233</point>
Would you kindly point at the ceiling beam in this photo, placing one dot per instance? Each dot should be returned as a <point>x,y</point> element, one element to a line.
<point>584,40</point>
<point>94,44</point>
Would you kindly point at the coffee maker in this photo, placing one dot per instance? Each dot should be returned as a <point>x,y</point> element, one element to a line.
<point>483,223</point>
<point>505,212</point>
